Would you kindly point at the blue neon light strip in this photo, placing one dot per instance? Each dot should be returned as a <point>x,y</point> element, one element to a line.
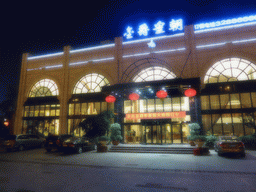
<point>153,38</point>
<point>92,48</point>
<point>225,27</point>
<point>44,56</point>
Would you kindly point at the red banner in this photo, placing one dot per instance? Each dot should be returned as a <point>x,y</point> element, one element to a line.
<point>159,115</point>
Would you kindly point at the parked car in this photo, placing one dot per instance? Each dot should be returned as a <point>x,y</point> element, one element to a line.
<point>228,145</point>
<point>54,142</point>
<point>78,145</point>
<point>22,141</point>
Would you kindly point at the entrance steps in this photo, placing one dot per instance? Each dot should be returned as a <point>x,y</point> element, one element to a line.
<point>165,149</point>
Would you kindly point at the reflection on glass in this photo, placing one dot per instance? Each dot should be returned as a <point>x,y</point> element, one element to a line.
<point>215,102</point>
<point>246,100</point>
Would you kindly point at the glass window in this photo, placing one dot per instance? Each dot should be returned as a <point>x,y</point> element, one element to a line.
<point>53,110</point>
<point>104,106</point>
<point>71,109</point>
<point>36,110</point>
<point>26,111</point>
<point>235,101</point>
<point>159,105</point>
<point>227,124</point>
<point>205,104</point>
<point>154,74</point>
<point>57,110</point>
<point>44,87</point>
<point>238,124</point>
<point>47,110</point>
<point>97,108</point>
<point>253,99</point>
<point>127,106</point>
<point>206,120</point>
<point>217,124</point>
<point>151,105</point>
<point>231,69</point>
<point>90,83</point>
<point>84,108</point>
<point>224,101</point>
<point>246,100</point>
<point>90,110</point>
<point>42,110</point>
<point>215,101</point>
<point>143,106</point>
<point>77,109</point>
<point>185,104</point>
<point>176,103</point>
<point>167,104</point>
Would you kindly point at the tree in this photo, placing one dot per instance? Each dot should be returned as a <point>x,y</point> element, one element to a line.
<point>96,126</point>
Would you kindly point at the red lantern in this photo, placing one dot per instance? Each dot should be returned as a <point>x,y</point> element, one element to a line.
<point>161,94</point>
<point>110,99</point>
<point>190,92</point>
<point>6,123</point>
<point>134,96</point>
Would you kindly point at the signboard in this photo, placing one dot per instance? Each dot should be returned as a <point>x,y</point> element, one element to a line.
<point>225,23</point>
<point>158,28</point>
<point>159,115</point>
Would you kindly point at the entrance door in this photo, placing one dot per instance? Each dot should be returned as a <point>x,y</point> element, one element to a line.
<point>153,134</point>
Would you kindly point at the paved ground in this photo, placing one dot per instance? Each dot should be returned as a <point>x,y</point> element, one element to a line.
<point>186,162</point>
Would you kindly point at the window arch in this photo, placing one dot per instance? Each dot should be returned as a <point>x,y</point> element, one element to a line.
<point>231,69</point>
<point>90,83</point>
<point>154,74</point>
<point>43,88</point>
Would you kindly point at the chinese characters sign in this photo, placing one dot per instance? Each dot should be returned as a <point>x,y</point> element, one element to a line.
<point>159,115</point>
<point>160,27</point>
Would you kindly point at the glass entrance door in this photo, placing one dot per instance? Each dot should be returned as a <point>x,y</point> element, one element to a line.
<point>153,134</point>
<point>176,133</point>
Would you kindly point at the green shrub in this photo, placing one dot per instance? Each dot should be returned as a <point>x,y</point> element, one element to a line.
<point>103,138</point>
<point>210,140</point>
<point>115,130</point>
<point>194,129</point>
<point>249,141</point>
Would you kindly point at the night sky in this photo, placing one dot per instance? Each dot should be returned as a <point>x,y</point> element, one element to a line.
<point>41,27</point>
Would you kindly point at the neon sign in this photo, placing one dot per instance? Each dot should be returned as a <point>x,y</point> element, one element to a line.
<point>224,23</point>
<point>157,115</point>
<point>160,27</point>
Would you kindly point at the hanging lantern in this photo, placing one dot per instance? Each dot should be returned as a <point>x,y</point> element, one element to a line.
<point>190,92</point>
<point>134,96</point>
<point>110,99</point>
<point>6,123</point>
<point>161,94</point>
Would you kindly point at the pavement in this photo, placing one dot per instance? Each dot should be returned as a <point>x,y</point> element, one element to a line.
<point>151,161</point>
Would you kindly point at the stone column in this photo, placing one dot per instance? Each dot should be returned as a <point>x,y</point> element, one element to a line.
<point>64,94</point>
<point>21,96</point>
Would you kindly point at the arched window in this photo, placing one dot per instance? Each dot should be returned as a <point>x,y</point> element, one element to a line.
<point>231,69</point>
<point>154,74</point>
<point>43,88</point>
<point>90,83</point>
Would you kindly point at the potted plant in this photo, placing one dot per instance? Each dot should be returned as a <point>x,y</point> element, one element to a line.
<point>194,129</point>
<point>102,143</point>
<point>115,136</point>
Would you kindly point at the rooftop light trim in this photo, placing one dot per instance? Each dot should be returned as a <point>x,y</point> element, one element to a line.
<point>153,38</point>
<point>226,27</point>
<point>44,56</point>
<point>53,66</point>
<point>244,40</point>
<point>92,48</point>
<point>210,45</point>
<point>170,50</point>
<point>95,60</point>
<point>139,54</point>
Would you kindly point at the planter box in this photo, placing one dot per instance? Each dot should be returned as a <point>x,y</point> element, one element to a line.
<point>201,151</point>
<point>101,148</point>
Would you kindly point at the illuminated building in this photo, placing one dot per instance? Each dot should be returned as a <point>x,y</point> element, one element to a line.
<point>217,59</point>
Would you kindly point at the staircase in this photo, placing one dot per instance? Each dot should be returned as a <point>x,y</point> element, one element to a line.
<point>165,149</point>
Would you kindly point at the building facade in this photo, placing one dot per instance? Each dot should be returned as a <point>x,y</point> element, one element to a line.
<point>59,90</point>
